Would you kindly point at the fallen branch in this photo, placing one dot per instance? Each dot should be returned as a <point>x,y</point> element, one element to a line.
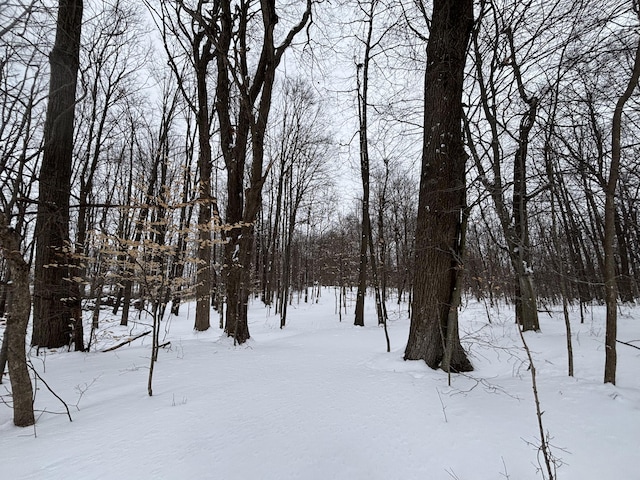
<point>628,344</point>
<point>126,342</point>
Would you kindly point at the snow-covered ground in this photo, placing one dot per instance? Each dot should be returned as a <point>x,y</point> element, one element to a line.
<point>323,400</point>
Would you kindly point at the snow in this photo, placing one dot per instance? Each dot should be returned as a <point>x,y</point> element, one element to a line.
<point>322,399</point>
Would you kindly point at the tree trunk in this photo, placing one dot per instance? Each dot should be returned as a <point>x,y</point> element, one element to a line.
<point>514,223</point>
<point>273,244</point>
<point>237,284</point>
<point>362,267</point>
<point>53,321</point>
<point>452,341</point>
<point>625,280</point>
<point>3,355</point>
<point>205,208</point>
<point>611,295</point>
<point>177,265</point>
<point>143,214</point>
<point>363,91</point>
<point>286,266</point>
<point>4,277</point>
<point>16,330</point>
<point>382,242</point>
<point>253,107</point>
<point>442,190</point>
<point>518,240</point>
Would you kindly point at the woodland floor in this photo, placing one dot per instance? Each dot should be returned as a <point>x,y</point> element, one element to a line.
<point>321,399</point>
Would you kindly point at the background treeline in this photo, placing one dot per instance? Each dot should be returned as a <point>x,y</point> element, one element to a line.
<point>168,204</point>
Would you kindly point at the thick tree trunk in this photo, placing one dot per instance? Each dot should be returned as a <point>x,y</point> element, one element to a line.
<point>526,304</point>
<point>451,343</point>
<point>442,190</point>
<point>236,276</point>
<point>233,143</point>
<point>53,321</point>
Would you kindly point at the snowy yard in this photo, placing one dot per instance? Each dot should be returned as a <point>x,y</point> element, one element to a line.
<point>322,399</point>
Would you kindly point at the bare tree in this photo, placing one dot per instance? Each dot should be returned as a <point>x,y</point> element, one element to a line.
<point>17,320</point>
<point>611,293</point>
<point>56,306</point>
<point>300,167</point>
<point>513,218</point>
<point>403,212</point>
<point>110,63</point>
<point>19,95</point>
<point>378,22</point>
<point>362,78</point>
<point>189,27</point>
<point>439,232</point>
<point>243,103</point>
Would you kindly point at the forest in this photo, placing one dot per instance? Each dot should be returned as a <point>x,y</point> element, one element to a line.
<point>413,154</point>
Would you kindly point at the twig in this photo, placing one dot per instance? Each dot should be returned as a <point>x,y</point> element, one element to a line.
<point>544,446</point>
<point>505,474</point>
<point>50,390</point>
<point>628,344</point>
<point>126,342</point>
<point>444,409</point>
<point>83,389</point>
<point>452,474</point>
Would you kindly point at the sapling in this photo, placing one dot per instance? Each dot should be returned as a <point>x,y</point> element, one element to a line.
<point>550,461</point>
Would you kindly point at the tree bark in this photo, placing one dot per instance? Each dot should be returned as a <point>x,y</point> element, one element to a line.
<point>206,203</point>
<point>442,190</point>
<point>519,245</point>
<point>514,222</point>
<point>363,94</point>
<point>611,293</point>
<point>16,330</point>
<point>53,293</point>
<point>251,124</point>
<point>625,280</point>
